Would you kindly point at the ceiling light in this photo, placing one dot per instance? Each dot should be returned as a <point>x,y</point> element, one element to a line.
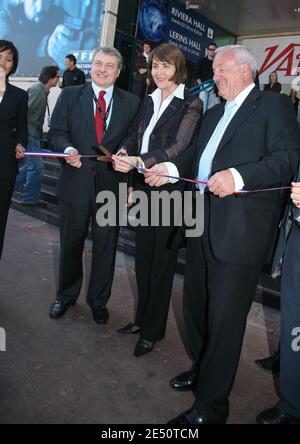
<point>188,5</point>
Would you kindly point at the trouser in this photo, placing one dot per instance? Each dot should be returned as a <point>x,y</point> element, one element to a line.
<point>31,173</point>
<point>74,224</point>
<point>6,190</point>
<point>290,326</point>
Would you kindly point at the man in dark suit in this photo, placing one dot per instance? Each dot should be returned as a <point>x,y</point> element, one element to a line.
<point>79,124</point>
<point>251,142</point>
<point>287,410</point>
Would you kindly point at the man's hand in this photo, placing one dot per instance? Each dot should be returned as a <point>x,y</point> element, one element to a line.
<point>19,151</point>
<point>221,183</point>
<point>295,194</point>
<point>156,181</point>
<point>73,158</point>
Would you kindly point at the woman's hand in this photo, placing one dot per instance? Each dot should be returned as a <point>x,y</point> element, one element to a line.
<point>153,175</point>
<point>124,163</point>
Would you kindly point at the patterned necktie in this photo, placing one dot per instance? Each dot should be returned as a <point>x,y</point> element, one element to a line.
<point>208,154</point>
<point>100,117</point>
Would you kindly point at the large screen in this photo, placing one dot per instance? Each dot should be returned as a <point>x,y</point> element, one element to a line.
<point>45,31</point>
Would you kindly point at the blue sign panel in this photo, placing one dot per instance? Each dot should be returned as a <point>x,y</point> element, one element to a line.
<point>190,31</point>
<point>170,21</point>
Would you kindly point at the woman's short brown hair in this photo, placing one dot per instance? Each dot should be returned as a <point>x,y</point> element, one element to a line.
<point>169,53</point>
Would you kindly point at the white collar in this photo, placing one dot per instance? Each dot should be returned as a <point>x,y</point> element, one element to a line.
<point>97,89</point>
<point>179,93</point>
<point>242,95</point>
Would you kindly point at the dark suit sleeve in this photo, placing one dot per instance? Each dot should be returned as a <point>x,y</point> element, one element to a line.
<point>282,148</point>
<point>189,123</point>
<point>59,135</point>
<point>21,125</point>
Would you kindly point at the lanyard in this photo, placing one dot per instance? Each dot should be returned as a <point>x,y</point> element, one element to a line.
<point>98,107</point>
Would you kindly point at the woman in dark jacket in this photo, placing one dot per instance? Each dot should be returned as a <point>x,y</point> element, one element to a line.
<point>164,128</point>
<point>13,129</point>
<point>273,84</point>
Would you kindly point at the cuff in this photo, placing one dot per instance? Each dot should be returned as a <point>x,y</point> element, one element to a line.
<point>172,171</point>
<point>238,180</point>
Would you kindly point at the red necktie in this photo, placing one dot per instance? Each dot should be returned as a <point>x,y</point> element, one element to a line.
<point>99,117</point>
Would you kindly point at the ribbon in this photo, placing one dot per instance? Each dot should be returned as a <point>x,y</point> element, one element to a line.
<point>108,158</point>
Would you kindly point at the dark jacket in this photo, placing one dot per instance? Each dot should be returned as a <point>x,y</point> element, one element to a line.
<point>172,133</point>
<point>73,124</point>
<point>262,142</point>
<point>13,128</point>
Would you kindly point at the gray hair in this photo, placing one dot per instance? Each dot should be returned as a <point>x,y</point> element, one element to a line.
<point>110,50</point>
<point>242,54</point>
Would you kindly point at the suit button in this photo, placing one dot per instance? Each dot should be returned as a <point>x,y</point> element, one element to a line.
<point>152,136</point>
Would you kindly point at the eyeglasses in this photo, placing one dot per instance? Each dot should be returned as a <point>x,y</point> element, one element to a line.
<point>211,49</point>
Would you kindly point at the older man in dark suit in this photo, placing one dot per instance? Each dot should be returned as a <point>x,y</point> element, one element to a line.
<point>251,142</point>
<point>84,117</point>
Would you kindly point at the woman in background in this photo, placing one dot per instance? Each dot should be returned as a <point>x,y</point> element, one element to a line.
<point>273,84</point>
<point>164,128</point>
<point>13,129</point>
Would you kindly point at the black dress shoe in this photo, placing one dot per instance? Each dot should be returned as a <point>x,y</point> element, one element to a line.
<point>271,363</point>
<point>185,381</point>
<point>192,416</point>
<point>100,315</point>
<point>129,329</point>
<point>59,308</point>
<point>142,347</point>
<point>275,416</point>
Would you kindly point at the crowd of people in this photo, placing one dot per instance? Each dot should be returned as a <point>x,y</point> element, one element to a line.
<point>243,147</point>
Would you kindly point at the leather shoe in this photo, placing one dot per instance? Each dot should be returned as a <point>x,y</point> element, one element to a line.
<point>59,308</point>
<point>100,315</point>
<point>129,329</point>
<point>275,416</point>
<point>142,347</point>
<point>192,416</point>
<point>185,381</point>
<point>271,363</point>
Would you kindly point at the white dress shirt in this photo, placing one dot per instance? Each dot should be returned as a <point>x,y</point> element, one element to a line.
<point>238,180</point>
<point>107,97</point>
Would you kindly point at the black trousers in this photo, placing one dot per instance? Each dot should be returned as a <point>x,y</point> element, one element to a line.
<point>74,224</point>
<point>6,190</point>
<point>290,326</point>
<point>217,300</point>
<point>155,264</point>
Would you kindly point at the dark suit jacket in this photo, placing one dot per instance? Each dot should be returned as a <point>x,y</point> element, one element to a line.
<point>262,142</point>
<point>172,133</point>
<point>290,213</point>
<point>13,128</point>
<point>73,124</point>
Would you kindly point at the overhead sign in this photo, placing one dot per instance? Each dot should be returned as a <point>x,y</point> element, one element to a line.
<point>170,21</point>
<point>190,31</point>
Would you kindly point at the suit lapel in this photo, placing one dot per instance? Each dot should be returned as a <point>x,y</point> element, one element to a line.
<point>86,102</point>
<point>114,120</point>
<point>247,108</point>
<point>169,112</point>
